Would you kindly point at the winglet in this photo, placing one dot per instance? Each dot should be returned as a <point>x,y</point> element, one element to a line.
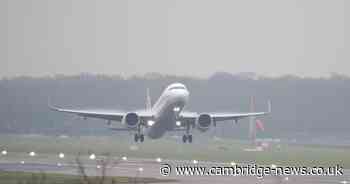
<point>49,102</point>
<point>51,106</point>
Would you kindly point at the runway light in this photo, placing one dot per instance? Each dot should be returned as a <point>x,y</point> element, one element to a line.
<point>159,160</point>
<point>59,164</point>
<point>92,157</point>
<point>32,154</point>
<point>22,162</point>
<point>178,123</point>
<point>273,166</point>
<point>150,122</point>
<point>4,152</point>
<point>344,182</point>
<point>233,163</point>
<point>61,155</point>
<point>140,169</point>
<point>195,162</point>
<point>286,178</point>
<point>124,158</point>
<point>98,167</point>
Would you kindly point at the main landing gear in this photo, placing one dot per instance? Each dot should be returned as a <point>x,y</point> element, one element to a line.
<point>139,136</point>
<point>186,138</point>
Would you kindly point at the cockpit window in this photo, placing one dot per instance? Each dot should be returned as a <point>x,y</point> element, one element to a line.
<point>177,87</point>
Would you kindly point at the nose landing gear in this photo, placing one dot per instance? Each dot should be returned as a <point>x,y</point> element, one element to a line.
<point>187,136</point>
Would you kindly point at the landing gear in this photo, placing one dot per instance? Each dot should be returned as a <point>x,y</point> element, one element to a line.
<point>186,138</point>
<point>138,137</point>
<point>190,138</point>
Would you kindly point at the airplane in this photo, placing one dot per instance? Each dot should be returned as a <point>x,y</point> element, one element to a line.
<point>166,114</point>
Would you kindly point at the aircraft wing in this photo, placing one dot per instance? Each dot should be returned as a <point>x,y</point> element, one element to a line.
<point>225,116</point>
<point>101,114</point>
<point>234,116</point>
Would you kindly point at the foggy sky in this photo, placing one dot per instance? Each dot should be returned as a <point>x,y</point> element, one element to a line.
<point>189,37</point>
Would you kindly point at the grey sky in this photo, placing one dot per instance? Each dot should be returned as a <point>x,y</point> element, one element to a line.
<point>189,37</point>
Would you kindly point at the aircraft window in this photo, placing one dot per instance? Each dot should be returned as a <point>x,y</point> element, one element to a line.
<point>176,87</point>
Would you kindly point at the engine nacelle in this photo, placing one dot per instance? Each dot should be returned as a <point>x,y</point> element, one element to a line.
<point>203,122</point>
<point>131,120</point>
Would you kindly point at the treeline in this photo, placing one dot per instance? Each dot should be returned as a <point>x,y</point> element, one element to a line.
<point>302,107</point>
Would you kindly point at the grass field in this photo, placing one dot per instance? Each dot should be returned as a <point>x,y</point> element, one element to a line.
<point>210,150</point>
<point>43,178</point>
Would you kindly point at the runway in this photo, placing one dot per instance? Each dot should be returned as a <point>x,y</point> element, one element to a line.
<point>136,167</point>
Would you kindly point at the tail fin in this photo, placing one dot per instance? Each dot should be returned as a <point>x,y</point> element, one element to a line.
<point>148,100</point>
<point>252,126</point>
<point>259,125</point>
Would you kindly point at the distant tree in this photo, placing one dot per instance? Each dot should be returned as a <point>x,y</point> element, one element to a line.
<point>308,107</point>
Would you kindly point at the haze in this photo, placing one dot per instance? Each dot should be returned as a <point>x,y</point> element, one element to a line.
<point>196,38</point>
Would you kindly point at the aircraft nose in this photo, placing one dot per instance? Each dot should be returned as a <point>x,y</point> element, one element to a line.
<point>183,94</point>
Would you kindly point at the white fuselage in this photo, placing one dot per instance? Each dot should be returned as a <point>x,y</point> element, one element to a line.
<point>167,109</point>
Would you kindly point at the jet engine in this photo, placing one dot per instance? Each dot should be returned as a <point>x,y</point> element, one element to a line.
<point>203,122</point>
<point>131,120</point>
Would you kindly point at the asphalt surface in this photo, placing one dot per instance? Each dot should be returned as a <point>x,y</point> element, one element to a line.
<point>151,168</point>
